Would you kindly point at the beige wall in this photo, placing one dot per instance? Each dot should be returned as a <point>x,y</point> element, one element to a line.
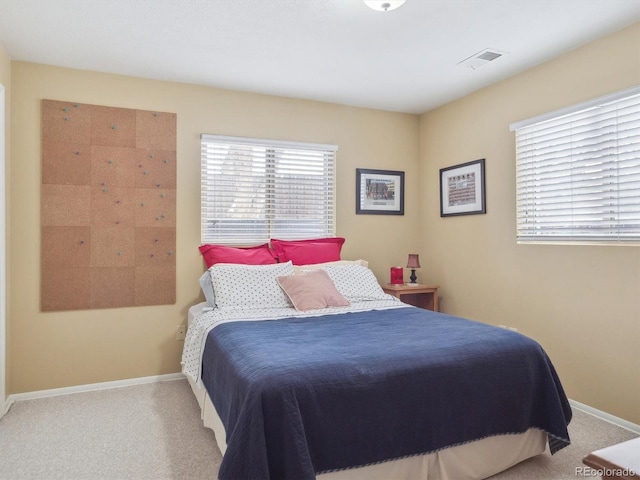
<point>582,303</point>
<point>5,80</point>
<point>50,350</point>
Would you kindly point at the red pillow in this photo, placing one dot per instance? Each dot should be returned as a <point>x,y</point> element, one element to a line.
<point>306,252</point>
<point>258,255</point>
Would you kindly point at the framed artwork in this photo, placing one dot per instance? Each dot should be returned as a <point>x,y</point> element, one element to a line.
<point>379,192</point>
<point>462,189</point>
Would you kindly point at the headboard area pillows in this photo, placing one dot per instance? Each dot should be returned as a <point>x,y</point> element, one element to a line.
<point>249,286</point>
<point>258,255</point>
<point>305,252</point>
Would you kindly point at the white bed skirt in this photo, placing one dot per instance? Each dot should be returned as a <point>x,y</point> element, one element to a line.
<point>474,460</point>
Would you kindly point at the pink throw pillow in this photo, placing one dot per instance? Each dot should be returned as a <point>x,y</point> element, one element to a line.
<point>305,252</point>
<point>311,291</point>
<point>258,255</point>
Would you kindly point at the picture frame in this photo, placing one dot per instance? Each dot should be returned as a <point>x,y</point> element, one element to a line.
<point>379,192</point>
<point>462,189</point>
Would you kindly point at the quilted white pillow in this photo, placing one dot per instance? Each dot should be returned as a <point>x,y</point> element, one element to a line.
<point>249,286</point>
<point>355,282</point>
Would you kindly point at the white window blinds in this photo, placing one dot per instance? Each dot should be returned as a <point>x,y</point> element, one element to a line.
<point>578,172</point>
<point>254,190</point>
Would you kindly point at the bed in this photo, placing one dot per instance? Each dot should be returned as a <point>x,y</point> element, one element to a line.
<point>371,389</point>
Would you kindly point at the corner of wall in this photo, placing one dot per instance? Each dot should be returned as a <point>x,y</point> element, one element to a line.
<point>5,83</point>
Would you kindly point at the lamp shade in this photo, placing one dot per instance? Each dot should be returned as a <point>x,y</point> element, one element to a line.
<point>383,5</point>
<point>413,261</point>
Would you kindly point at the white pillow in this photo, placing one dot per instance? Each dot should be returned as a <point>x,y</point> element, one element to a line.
<point>207,288</point>
<point>302,268</point>
<point>355,282</point>
<point>249,286</point>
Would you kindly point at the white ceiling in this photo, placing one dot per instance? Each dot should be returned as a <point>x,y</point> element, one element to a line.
<point>329,50</point>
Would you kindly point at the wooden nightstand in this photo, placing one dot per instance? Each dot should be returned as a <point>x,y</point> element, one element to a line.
<point>423,296</point>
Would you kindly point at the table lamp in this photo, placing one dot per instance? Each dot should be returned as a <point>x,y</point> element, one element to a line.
<point>413,262</point>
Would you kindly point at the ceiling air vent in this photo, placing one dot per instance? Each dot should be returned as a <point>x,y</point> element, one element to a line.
<point>479,59</point>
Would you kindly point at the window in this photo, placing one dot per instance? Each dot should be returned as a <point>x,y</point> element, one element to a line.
<point>254,190</point>
<point>578,173</point>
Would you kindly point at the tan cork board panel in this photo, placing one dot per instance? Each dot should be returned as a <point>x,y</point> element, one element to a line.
<point>66,122</point>
<point>108,207</point>
<point>66,163</point>
<point>113,246</point>
<point>112,207</point>
<point>113,167</point>
<point>113,287</point>
<point>155,246</point>
<point>65,247</point>
<point>65,289</point>
<point>65,205</point>
<point>155,208</point>
<point>154,285</point>
<point>114,127</point>
<point>156,169</point>
<point>155,130</point>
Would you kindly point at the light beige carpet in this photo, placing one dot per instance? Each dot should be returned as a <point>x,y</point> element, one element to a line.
<point>154,432</point>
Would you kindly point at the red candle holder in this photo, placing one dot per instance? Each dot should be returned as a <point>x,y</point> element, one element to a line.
<point>397,275</point>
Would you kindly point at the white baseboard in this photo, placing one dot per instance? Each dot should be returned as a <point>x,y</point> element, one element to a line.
<point>620,422</point>
<point>4,407</point>
<point>54,392</point>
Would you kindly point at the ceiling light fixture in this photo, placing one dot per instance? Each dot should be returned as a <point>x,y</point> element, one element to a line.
<point>383,5</point>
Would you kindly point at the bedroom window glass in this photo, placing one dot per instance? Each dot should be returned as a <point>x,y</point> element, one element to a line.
<point>578,173</point>
<point>253,190</point>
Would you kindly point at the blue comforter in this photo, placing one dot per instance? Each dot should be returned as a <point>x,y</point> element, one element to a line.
<point>300,396</point>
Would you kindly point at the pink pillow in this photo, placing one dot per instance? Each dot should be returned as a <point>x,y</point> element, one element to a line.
<point>258,255</point>
<point>305,252</point>
<point>311,291</point>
